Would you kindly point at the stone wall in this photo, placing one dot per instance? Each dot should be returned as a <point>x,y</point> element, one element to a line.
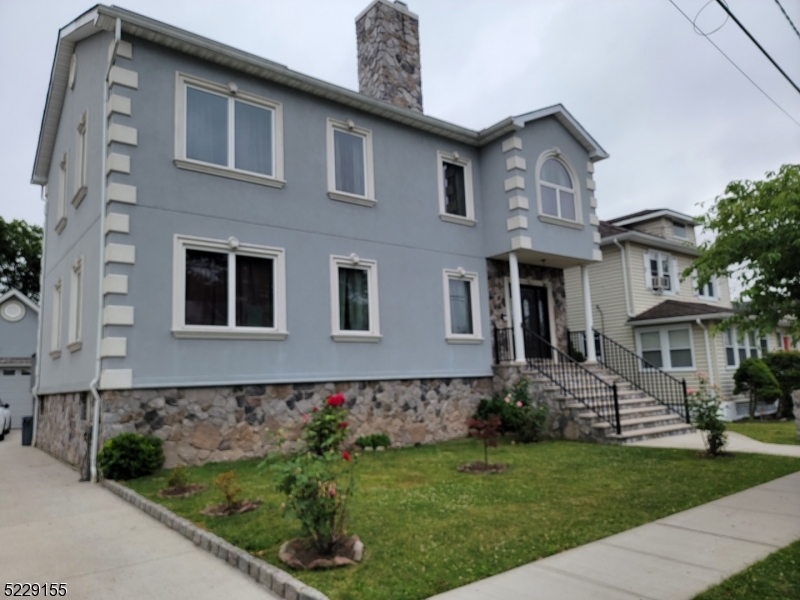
<point>216,424</point>
<point>61,423</point>
<point>388,55</point>
<point>497,272</point>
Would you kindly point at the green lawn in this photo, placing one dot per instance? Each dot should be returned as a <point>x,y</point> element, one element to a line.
<point>777,577</point>
<point>428,528</point>
<point>773,432</point>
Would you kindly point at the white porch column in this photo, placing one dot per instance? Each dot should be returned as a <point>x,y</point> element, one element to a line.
<point>591,352</point>
<point>516,308</point>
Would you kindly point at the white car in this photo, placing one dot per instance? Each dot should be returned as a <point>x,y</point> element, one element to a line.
<point>5,420</point>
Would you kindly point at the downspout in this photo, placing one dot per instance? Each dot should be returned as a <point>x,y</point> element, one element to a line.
<point>708,351</point>
<point>104,150</point>
<point>35,390</point>
<point>624,256</point>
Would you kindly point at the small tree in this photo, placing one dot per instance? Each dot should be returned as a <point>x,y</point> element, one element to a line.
<point>785,365</point>
<point>226,483</point>
<point>755,378</point>
<point>486,430</point>
<point>20,257</point>
<point>704,404</point>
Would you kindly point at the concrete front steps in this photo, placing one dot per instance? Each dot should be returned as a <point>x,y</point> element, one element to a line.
<point>641,416</point>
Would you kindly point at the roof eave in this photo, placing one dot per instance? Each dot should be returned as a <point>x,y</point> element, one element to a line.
<point>666,212</point>
<point>682,319</point>
<point>650,240</point>
<point>13,292</point>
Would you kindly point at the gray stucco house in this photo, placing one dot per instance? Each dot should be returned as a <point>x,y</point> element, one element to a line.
<point>229,241</point>
<point>19,317</point>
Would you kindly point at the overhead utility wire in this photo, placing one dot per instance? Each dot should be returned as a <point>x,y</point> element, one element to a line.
<point>755,41</point>
<point>738,68</point>
<point>787,17</point>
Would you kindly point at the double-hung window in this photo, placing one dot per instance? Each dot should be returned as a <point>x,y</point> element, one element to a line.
<point>462,312</point>
<point>81,150</point>
<point>679,230</point>
<point>75,306</point>
<point>737,350</point>
<point>558,196</point>
<point>55,323</point>
<point>350,163</point>
<point>61,197</point>
<point>228,289</point>
<point>354,299</point>
<point>709,291</point>
<point>225,131</point>
<point>668,348</point>
<point>456,200</point>
<point>660,275</point>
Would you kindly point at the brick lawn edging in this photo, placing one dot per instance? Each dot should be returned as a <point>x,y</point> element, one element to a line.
<point>272,578</point>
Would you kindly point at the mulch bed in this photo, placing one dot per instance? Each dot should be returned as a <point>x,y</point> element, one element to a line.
<point>181,492</point>
<point>221,510</point>
<point>479,468</point>
<point>301,554</point>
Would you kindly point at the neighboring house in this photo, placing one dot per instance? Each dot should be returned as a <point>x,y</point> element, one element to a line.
<point>19,318</point>
<point>229,241</point>
<point>641,303</point>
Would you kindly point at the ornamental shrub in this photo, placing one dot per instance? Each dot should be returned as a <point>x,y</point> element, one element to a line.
<point>704,405</point>
<point>753,376</point>
<point>517,412</point>
<point>226,483</point>
<point>533,420</point>
<point>374,441</point>
<point>785,366</point>
<point>178,478</point>
<point>326,428</point>
<point>130,455</point>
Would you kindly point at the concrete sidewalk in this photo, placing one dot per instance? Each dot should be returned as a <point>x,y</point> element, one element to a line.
<point>54,529</point>
<point>736,443</point>
<point>671,559</point>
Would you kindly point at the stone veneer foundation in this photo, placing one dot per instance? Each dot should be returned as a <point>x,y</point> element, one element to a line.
<point>213,424</point>
<point>61,423</point>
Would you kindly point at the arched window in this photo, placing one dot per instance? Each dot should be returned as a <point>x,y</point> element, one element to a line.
<point>557,191</point>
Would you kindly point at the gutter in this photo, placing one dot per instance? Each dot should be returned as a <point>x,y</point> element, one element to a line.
<point>708,350</point>
<point>624,256</point>
<point>652,241</point>
<point>96,380</point>
<point>684,319</point>
<point>35,390</point>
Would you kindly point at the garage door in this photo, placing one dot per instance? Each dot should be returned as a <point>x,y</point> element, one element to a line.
<point>15,390</point>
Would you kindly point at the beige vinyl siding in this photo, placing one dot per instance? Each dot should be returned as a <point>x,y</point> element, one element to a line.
<point>662,227</point>
<point>698,352</point>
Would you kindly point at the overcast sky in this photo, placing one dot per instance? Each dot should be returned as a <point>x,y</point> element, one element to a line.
<point>678,120</point>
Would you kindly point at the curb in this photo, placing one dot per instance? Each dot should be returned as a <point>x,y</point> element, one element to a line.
<point>279,582</point>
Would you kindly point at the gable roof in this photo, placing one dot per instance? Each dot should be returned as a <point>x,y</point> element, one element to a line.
<point>13,293</point>
<point>609,233</point>
<point>653,213</point>
<point>675,310</point>
<point>105,18</point>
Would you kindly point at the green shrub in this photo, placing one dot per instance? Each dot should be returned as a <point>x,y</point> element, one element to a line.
<point>374,441</point>
<point>326,428</point>
<point>517,412</point>
<point>130,455</point>
<point>532,423</point>
<point>754,377</point>
<point>785,365</point>
<point>178,478</point>
<point>704,405</point>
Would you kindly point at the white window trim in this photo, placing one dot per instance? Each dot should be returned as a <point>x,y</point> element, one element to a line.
<point>673,274</point>
<point>371,266</point>
<point>685,231</point>
<point>231,247</point>
<point>81,155</point>
<point>369,184</point>
<point>75,306</point>
<point>476,337</point>
<point>666,359</point>
<point>556,154</point>
<point>456,159</point>
<point>699,292</point>
<point>232,93</point>
<point>55,332</point>
<point>737,345</point>
<point>61,199</point>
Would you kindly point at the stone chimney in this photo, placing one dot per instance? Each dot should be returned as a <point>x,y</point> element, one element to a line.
<point>388,54</point>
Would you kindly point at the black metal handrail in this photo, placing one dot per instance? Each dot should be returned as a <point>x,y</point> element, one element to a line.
<point>644,375</point>
<point>571,377</point>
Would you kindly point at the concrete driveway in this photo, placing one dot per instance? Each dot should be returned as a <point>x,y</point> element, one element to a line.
<point>56,530</point>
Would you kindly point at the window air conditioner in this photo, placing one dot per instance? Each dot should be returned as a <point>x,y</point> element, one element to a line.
<point>655,282</point>
<point>665,283</point>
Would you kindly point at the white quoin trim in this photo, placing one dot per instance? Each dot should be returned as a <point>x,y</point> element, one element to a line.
<point>114,347</point>
<point>115,284</point>
<point>592,202</point>
<point>116,379</point>
<point>516,308</point>
<point>590,167</point>
<point>512,143</point>
<point>118,163</point>
<point>590,184</point>
<point>518,222</point>
<point>122,134</point>
<point>117,223</point>
<point>125,77</point>
<point>120,253</point>
<point>118,315</point>
<point>125,49</point>
<point>118,104</point>
<point>518,202</point>
<point>521,242</point>
<point>121,192</point>
<point>593,220</point>
<point>516,182</point>
<point>516,162</point>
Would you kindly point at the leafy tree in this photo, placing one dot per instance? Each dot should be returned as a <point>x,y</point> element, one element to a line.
<point>754,376</point>
<point>20,257</point>
<point>756,229</point>
<point>785,365</point>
